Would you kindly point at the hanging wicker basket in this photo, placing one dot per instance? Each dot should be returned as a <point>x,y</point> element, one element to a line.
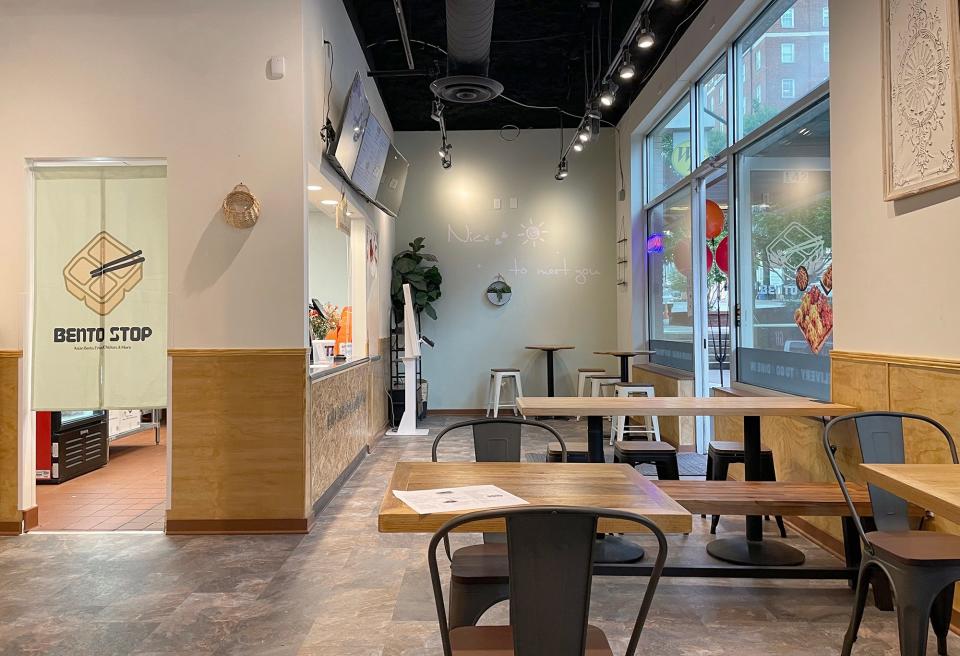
<point>241,209</point>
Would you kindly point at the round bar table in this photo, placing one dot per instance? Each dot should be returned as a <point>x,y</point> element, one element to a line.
<point>550,349</point>
<point>624,357</point>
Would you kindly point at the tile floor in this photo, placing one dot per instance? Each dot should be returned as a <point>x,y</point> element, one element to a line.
<point>347,590</point>
<point>128,494</point>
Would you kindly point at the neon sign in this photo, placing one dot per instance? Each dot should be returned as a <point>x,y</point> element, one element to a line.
<point>655,243</point>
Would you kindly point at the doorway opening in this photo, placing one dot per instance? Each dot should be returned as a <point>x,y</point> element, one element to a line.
<point>96,364</point>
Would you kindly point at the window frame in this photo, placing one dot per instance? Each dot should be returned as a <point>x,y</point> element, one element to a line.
<point>788,47</point>
<point>793,19</point>
<point>783,88</point>
<point>728,157</point>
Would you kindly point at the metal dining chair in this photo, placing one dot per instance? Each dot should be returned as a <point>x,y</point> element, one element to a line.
<point>479,576</point>
<point>550,555</point>
<point>922,566</point>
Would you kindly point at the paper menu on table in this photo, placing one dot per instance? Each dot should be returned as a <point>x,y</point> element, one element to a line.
<point>457,499</point>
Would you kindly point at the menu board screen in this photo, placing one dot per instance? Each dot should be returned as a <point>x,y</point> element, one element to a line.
<point>392,181</point>
<point>355,118</point>
<point>373,153</point>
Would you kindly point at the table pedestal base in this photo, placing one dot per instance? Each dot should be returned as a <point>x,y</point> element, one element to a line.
<point>741,551</point>
<point>614,549</point>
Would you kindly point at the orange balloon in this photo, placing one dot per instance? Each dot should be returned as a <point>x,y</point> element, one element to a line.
<point>715,220</point>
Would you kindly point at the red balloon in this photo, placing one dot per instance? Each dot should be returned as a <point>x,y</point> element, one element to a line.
<point>681,256</point>
<point>715,220</point>
<point>709,259</point>
<point>723,255</point>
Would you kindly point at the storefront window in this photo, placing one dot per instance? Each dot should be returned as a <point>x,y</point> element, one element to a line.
<point>668,151</point>
<point>712,110</point>
<point>785,258</point>
<point>761,90</point>
<point>670,281</point>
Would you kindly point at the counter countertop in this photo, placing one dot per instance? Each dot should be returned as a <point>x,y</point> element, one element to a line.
<point>322,371</point>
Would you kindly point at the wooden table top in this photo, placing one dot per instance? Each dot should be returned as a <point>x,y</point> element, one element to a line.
<point>624,354</point>
<point>549,347</point>
<point>685,406</point>
<point>556,484</point>
<point>934,487</point>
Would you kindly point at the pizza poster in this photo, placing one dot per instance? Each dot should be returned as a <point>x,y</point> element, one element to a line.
<point>100,301</point>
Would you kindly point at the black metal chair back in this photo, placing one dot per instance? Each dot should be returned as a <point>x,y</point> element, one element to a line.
<point>880,438</point>
<point>550,551</point>
<point>498,440</point>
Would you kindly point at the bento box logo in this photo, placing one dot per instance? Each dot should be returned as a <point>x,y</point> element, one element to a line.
<point>103,272</point>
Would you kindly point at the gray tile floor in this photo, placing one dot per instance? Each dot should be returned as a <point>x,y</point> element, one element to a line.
<point>344,589</point>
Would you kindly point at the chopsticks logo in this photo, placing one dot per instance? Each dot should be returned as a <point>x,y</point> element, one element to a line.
<point>103,272</point>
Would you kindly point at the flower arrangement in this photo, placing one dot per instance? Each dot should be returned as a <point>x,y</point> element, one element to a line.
<point>321,324</point>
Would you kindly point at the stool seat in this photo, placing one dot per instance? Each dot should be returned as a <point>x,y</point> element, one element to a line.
<point>627,383</point>
<point>587,369</point>
<point>644,446</point>
<point>505,370</point>
<point>733,447</point>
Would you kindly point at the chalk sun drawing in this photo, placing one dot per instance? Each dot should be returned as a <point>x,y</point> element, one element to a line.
<point>532,233</point>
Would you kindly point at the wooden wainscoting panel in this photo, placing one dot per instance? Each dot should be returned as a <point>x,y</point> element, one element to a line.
<point>935,393</point>
<point>238,435</point>
<point>9,440</point>
<point>862,384</point>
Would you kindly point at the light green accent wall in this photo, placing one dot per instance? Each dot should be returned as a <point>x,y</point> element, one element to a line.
<point>557,250</point>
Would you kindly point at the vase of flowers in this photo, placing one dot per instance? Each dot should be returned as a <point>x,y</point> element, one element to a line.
<point>322,325</point>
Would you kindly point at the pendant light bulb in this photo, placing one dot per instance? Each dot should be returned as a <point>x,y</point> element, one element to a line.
<point>627,70</point>
<point>609,94</point>
<point>645,38</point>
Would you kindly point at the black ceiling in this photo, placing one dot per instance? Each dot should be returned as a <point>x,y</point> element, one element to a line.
<point>540,53</point>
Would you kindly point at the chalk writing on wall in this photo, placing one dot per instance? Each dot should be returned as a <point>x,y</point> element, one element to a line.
<point>579,275</point>
<point>532,233</point>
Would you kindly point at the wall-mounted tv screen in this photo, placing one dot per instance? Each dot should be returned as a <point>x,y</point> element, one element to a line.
<point>365,156</point>
<point>355,117</point>
<point>392,181</point>
<point>373,153</point>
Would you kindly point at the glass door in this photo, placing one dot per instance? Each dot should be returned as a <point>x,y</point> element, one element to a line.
<point>712,338</point>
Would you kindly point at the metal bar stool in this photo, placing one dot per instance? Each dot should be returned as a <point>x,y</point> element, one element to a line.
<point>497,378</point>
<point>651,427</point>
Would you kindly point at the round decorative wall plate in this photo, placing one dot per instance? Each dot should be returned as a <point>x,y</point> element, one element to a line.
<point>499,292</point>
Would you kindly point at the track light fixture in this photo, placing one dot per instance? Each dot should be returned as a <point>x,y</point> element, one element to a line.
<point>562,170</point>
<point>584,135</point>
<point>645,37</point>
<point>627,70</point>
<point>436,111</point>
<point>446,159</point>
<point>578,146</point>
<point>609,94</point>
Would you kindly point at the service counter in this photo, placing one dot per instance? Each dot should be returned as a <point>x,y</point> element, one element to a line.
<point>346,415</point>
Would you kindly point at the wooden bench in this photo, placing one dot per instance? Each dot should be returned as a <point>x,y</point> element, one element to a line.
<point>784,498</point>
<point>766,498</point>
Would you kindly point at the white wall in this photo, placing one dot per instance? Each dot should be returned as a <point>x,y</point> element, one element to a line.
<point>186,81</point>
<point>329,254</point>
<point>548,306</point>
<point>895,289</point>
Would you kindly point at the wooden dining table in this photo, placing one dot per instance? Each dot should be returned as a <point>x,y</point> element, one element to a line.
<point>750,549</point>
<point>932,487</point>
<point>617,487</point>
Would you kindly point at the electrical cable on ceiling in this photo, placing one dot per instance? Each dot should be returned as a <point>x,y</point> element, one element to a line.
<point>551,107</point>
<point>327,132</point>
<point>512,127</point>
<point>417,41</point>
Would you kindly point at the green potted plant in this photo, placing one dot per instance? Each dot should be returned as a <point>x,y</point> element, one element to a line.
<point>424,279</point>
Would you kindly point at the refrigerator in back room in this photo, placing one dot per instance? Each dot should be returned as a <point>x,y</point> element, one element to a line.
<point>70,443</point>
